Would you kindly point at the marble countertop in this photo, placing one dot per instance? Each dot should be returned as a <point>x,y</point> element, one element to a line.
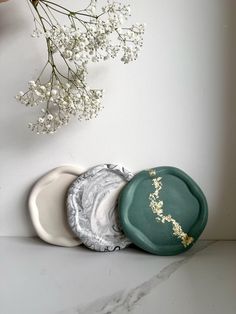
<point>37,278</point>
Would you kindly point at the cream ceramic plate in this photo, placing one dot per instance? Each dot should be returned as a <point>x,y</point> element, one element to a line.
<point>47,206</point>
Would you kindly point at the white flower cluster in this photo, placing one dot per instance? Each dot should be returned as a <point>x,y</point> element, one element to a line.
<point>62,101</point>
<point>92,35</point>
<point>96,42</point>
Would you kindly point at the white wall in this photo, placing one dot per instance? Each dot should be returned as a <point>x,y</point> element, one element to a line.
<point>174,106</point>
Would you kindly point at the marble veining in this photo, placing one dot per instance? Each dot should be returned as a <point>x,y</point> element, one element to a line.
<point>59,280</point>
<point>92,207</point>
<point>124,301</point>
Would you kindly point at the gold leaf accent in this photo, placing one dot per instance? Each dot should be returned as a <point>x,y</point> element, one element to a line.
<point>152,172</point>
<point>157,208</point>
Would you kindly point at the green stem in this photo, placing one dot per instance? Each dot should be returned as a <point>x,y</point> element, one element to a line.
<point>65,9</point>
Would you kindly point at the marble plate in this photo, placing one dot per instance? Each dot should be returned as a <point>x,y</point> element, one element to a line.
<point>92,207</point>
<point>47,206</point>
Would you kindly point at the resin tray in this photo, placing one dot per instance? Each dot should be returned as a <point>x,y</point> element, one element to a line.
<point>47,206</point>
<point>92,207</point>
<point>163,211</point>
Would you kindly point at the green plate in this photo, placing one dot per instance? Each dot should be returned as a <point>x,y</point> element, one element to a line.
<point>163,211</point>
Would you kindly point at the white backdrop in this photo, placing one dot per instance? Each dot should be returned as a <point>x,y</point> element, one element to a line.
<point>174,106</point>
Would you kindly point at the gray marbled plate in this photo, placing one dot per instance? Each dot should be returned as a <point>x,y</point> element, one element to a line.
<point>92,207</point>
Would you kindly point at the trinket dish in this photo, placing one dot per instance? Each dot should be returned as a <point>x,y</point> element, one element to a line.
<point>47,206</point>
<point>92,207</point>
<point>163,211</point>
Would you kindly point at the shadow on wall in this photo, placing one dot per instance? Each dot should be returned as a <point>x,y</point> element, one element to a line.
<point>16,22</point>
<point>227,170</point>
<point>11,20</point>
<point>13,23</point>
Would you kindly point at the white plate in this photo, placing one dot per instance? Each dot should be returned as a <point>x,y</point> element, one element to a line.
<point>47,206</point>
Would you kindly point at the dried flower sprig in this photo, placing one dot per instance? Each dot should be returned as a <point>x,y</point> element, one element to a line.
<point>92,34</point>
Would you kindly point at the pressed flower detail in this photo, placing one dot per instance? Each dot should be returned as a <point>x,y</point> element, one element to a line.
<point>94,34</point>
<point>157,208</point>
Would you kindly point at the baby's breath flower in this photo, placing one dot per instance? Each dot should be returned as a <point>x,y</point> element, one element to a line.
<point>93,34</point>
<point>62,101</point>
